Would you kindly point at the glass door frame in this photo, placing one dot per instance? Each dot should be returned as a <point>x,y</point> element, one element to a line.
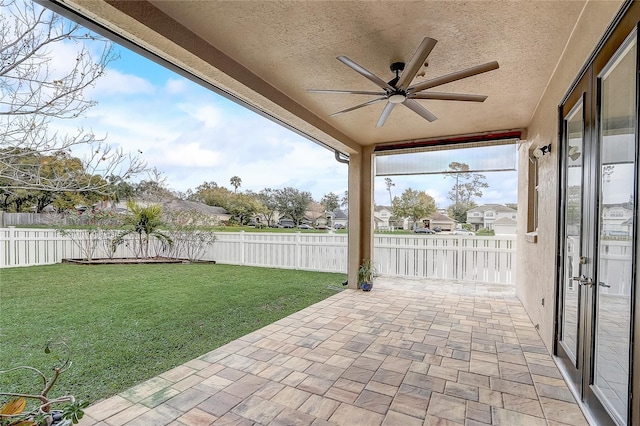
<point>571,362</point>
<point>585,89</point>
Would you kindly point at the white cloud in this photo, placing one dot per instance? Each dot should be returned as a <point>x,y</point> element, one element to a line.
<point>176,86</point>
<point>189,155</point>
<point>113,82</point>
<point>208,115</point>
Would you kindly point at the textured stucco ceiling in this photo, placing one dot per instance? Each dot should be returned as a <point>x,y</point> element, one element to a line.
<point>270,52</point>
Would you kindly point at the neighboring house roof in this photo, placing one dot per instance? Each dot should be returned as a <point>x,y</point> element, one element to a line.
<point>495,207</point>
<point>183,205</point>
<point>339,214</point>
<point>439,217</point>
<point>625,206</point>
<point>379,208</point>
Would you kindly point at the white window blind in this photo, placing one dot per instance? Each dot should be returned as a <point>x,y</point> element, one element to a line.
<point>479,156</point>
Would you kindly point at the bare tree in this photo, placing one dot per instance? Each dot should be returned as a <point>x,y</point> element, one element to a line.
<point>38,91</point>
<point>154,188</point>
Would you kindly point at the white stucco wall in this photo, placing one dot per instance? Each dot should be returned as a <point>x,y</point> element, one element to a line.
<point>536,261</point>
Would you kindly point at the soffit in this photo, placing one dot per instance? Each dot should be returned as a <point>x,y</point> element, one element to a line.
<point>280,49</point>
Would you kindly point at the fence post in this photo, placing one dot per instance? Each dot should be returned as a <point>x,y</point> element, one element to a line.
<point>298,250</point>
<point>458,253</point>
<point>242,247</point>
<point>13,259</point>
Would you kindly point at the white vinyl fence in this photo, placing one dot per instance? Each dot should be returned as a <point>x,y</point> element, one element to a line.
<point>457,257</point>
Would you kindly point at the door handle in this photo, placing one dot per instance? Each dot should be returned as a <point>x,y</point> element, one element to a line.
<point>582,280</point>
<point>601,284</point>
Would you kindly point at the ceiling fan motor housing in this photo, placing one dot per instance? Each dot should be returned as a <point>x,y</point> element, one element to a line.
<point>397,67</point>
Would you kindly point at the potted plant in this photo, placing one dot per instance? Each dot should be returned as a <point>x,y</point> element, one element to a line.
<point>17,411</point>
<point>365,275</point>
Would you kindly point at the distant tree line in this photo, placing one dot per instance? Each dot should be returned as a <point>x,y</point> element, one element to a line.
<point>414,204</point>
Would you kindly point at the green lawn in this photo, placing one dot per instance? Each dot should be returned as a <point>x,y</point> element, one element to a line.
<point>128,323</point>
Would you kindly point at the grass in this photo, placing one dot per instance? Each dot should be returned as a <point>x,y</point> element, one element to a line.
<point>128,323</point>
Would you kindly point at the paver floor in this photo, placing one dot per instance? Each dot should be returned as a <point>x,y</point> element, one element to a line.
<point>410,352</point>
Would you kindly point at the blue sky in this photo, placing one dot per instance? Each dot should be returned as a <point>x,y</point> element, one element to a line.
<point>193,135</point>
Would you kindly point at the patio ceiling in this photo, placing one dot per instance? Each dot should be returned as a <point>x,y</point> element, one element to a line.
<point>269,53</point>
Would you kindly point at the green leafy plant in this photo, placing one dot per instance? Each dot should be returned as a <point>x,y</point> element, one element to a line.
<point>146,222</point>
<point>18,412</point>
<point>366,272</point>
<point>485,232</point>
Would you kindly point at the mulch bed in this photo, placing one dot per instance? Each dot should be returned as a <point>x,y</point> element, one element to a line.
<point>132,261</point>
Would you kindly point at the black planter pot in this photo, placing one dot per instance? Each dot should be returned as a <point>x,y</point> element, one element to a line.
<point>58,420</point>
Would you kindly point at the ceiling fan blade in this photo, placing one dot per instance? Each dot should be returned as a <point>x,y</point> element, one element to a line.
<point>448,96</point>
<point>366,73</point>
<point>349,92</point>
<point>385,114</point>
<point>458,75</point>
<point>419,109</point>
<point>416,62</point>
<point>358,106</point>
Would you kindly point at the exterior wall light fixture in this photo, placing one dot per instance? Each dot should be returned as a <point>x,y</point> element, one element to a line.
<point>541,151</point>
<point>574,152</point>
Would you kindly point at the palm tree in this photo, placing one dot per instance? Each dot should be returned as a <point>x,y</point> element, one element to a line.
<point>144,221</point>
<point>235,182</point>
<point>389,183</point>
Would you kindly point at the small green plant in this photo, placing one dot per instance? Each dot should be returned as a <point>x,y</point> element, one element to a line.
<point>366,272</point>
<point>146,222</point>
<point>18,412</point>
<point>485,232</point>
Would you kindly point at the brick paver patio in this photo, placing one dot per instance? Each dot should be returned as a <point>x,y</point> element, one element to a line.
<point>411,352</point>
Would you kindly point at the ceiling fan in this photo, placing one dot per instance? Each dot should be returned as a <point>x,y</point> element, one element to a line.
<point>400,91</point>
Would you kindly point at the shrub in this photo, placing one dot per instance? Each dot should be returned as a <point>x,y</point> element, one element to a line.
<point>97,227</point>
<point>486,232</point>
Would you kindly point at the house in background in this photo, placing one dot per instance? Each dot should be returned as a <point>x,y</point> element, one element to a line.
<point>442,220</point>
<point>213,212</point>
<point>486,215</point>
<point>339,219</point>
<point>505,226</point>
<point>616,220</point>
<point>383,217</point>
<point>177,205</point>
